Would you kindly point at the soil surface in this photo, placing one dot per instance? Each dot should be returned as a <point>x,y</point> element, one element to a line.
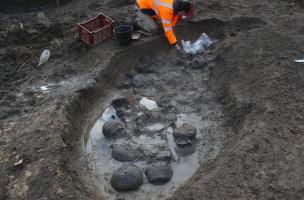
<point>246,90</point>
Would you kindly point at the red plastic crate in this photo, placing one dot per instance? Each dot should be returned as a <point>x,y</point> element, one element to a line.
<point>96,29</point>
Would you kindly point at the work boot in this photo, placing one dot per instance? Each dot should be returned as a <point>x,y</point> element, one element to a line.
<point>144,22</point>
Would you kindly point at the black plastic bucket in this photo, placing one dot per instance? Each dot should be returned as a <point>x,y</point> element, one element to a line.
<point>123,34</point>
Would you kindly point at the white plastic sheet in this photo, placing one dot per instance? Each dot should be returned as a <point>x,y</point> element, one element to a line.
<point>149,104</point>
<point>199,46</point>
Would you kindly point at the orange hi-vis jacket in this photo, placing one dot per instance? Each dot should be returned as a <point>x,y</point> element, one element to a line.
<point>164,11</point>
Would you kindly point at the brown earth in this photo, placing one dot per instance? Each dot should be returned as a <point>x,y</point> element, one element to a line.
<point>254,79</point>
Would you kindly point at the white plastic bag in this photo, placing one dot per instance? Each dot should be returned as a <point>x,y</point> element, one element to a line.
<point>44,57</point>
<point>199,46</point>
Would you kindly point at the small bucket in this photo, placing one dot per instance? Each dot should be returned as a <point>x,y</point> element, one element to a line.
<point>123,34</point>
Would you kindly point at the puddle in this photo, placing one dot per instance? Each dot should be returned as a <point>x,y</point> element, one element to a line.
<point>151,143</point>
<point>185,168</point>
<point>96,138</point>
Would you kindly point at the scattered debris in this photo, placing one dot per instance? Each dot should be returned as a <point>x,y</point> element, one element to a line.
<point>299,61</point>
<point>44,57</point>
<point>19,162</point>
<point>136,36</point>
<point>44,88</point>
<point>21,26</point>
<point>149,104</point>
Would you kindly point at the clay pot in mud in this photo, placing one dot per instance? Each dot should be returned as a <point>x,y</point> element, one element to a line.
<point>125,152</point>
<point>185,131</point>
<point>113,129</point>
<point>126,178</point>
<point>163,156</point>
<point>184,146</point>
<point>159,173</point>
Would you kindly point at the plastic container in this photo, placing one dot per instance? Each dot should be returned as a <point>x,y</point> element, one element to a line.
<point>96,29</point>
<point>123,34</point>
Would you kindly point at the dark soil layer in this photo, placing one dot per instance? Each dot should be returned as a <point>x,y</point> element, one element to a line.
<point>255,79</point>
<point>15,6</point>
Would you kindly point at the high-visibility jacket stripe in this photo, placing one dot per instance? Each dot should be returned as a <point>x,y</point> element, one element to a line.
<point>168,28</point>
<point>166,21</point>
<point>160,3</point>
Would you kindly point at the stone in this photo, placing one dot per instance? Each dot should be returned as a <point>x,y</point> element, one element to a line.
<point>159,174</point>
<point>125,152</point>
<point>143,69</point>
<point>113,129</point>
<point>125,82</point>
<point>127,178</point>
<point>139,81</point>
<point>211,57</point>
<point>185,131</point>
<point>120,102</point>
<point>3,54</point>
<point>198,63</point>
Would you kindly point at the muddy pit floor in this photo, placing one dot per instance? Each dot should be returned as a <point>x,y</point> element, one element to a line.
<point>170,83</point>
<point>245,93</point>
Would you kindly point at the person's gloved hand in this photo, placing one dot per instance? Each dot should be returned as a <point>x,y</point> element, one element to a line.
<point>178,47</point>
